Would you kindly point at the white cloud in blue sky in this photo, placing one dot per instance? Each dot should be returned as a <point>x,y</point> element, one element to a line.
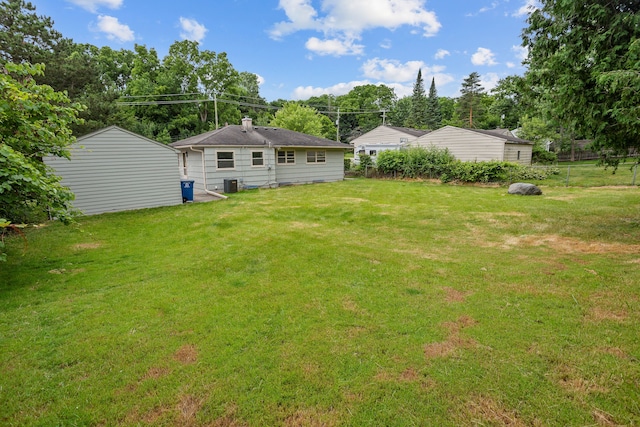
<point>94,5</point>
<point>114,30</point>
<point>192,30</point>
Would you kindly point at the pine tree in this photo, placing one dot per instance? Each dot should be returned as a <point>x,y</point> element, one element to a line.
<point>417,118</point>
<point>434,116</point>
<point>469,104</point>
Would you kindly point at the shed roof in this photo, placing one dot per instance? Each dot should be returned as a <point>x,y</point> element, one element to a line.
<point>502,133</point>
<point>239,136</point>
<point>410,131</point>
<point>114,127</point>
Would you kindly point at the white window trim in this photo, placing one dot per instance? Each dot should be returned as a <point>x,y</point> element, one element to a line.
<point>263,159</point>
<point>285,162</point>
<point>316,162</point>
<point>217,160</point>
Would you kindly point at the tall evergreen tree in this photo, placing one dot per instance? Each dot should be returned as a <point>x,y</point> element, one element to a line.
<point>434,116</point>
<point>469,103</point>
<point>417,118</point>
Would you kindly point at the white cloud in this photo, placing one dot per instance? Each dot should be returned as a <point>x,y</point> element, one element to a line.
<point>346,20</point>
<point>483,56</point>
<point>261,79</point>
<point>511,65</point>
<point>93,5</point>
<point>192,30</point>
<point>489,81</point>
<point>485,9</point>
<point>386,44</point>
<point>335,47</point>
<point>391,70</point>
<point>441,53</point>
<point>521,52</point>
<point>528,7</point>
<point>114,29</point>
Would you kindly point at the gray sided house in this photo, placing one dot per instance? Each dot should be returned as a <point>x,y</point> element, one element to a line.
<point>258,157</point>
<point>475,145</point>
<point>115,170</point>
<point>384,138</point>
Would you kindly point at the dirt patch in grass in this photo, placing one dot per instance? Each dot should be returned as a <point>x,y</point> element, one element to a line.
<point>599,314</point>
<point>155,373</point>
<point>229,419</point>
<point>188,407</point>
<point>570,379</point>
<point>614,351</point>
<point>312,417</point>
<point>604,419</point>
<point>187,354</point>
<point>569,245</point>
<point>607,306</point>
<point>454,340</point>
<point>482,410</point>
<point>82,246</point>
<point>454,295</point>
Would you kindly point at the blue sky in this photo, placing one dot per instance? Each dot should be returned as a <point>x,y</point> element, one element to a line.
<point>304,48</point>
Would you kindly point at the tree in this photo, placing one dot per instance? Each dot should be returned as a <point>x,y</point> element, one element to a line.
<point>470,102</point>
<point>417,118</point>
<point>433,115</point>
<point>507,103</point>
<point>362,109</point>
<point>25,36</point>
<point>300,118</point>
<point>400,112</point>
<point>584,61</point>
<point>35,122</point>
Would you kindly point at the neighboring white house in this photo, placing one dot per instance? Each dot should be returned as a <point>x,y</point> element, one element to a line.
<point>471,145</point>
<point>114,170</point>
<point>258,156</point>
<point>384,138</point>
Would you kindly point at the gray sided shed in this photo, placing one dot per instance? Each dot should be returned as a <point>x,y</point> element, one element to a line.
<point>474,145</point>
<point>384,138</point>
<point>115,170</point>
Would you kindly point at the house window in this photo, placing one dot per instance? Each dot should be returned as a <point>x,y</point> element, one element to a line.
<point>257,158</point>
<point>518,155</point>
<point>316,157</point>
<point>184,163</point>
<point>225,160</point>
<point>404,140</point>
<point>286,157</point>
<point>373,152</point>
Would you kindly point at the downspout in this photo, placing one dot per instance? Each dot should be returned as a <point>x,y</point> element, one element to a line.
<point>204,176</point>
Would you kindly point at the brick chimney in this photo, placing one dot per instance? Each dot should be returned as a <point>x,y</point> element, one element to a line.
<point>247,125</point>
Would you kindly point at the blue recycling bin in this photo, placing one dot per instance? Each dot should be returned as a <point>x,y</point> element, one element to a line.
<point>187,190</point>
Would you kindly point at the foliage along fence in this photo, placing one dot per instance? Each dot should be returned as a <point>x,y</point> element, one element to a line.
<point>433,162</point>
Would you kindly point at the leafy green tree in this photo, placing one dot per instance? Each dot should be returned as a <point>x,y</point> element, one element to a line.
<point>418,117</point>
<point>362,109</point>
<point>25,36</point>
<point>469,106</point>
<point>507,103</point>
<point>433,116</point>
<point>400,112</point>
<point>584,61</point>
<point>300,118</point>
<point>34,122</point>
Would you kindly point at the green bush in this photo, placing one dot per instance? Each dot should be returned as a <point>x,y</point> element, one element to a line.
<point>542,156</point>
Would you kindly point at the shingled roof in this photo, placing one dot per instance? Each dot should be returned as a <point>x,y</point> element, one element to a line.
<point>410,131</point>
<point>502,133</point>
<point>254,136</point>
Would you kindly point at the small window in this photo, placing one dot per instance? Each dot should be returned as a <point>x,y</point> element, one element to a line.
<point>518,155</point>
<point>373,152</point>
<point>257,158</point>
<point>225,160</point>
<point>316,157</point>
<point>404,140</point>
<point>286,157</point>
<point>184,163</point>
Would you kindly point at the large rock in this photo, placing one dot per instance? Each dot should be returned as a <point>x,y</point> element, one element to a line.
<point>524,189</point>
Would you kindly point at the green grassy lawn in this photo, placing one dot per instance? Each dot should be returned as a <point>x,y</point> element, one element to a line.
<point>356,303</point>
<point>588,174</point>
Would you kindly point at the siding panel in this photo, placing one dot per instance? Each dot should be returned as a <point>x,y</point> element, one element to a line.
<point>114,170</point>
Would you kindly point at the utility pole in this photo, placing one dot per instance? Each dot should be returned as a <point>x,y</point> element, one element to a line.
<point>338,126</point>
<point>384,117</point>
<point>215,108</point>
